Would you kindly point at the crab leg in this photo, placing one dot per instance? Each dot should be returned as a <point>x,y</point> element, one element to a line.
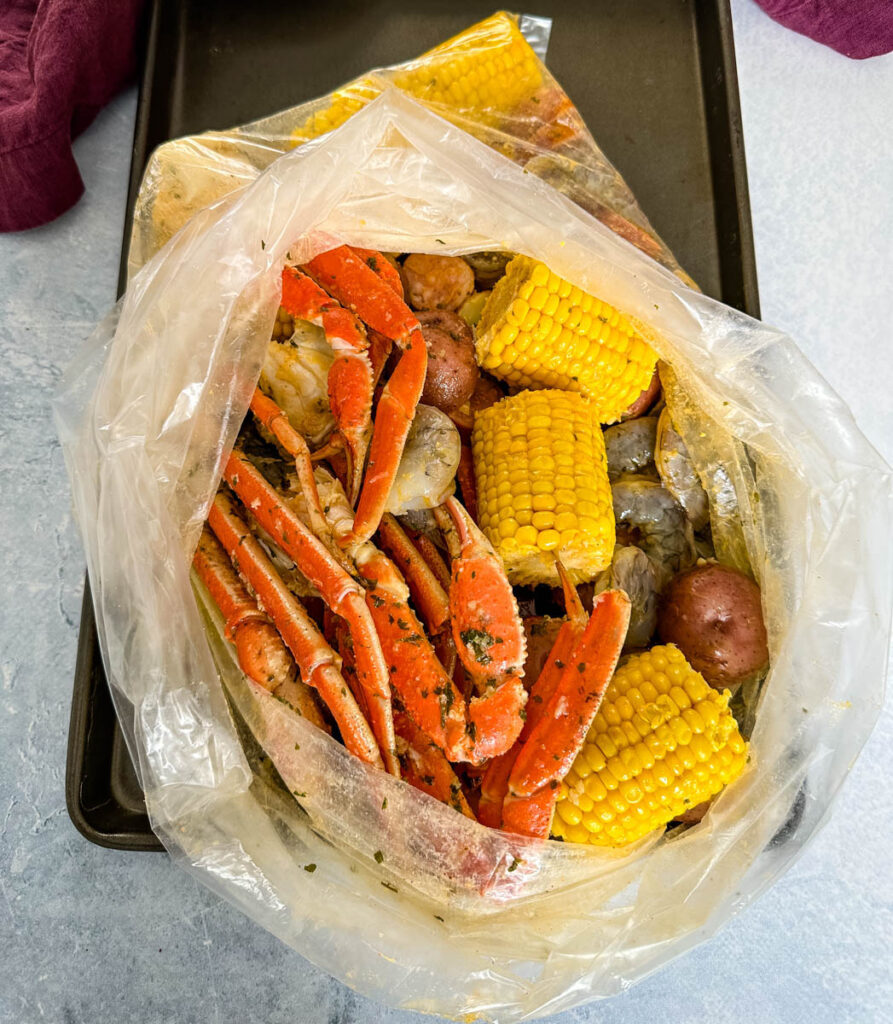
<point>555,740</point>
<point>530,814</point>
<point>428,550</point>
<point>487,628</point>
<point>350,380</point>
<point>427,593</point>
<point>474,731</point>
<point>382,267</point>
<point>542,690</point>
<point>262,655</point>
<point>495,783</point>
<point>353,282</point>
<point>445,650</point>
<point>315,658</point>
<point>339,590</point>
<point>344,646</point>
<point>495,786</point>
<point>275,420</point>
<point>426,768</point>
<point>379,351</point>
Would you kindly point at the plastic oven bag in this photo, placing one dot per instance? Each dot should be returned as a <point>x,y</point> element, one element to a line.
<point>388,890</point>
<point>490,80</point>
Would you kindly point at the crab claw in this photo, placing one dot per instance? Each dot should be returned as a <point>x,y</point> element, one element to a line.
<point>426,768</point>
<point>487,627</point>
<point>528,816</point>
<point>350,381</point>
<point>549,750</point>
<point>360,283</point>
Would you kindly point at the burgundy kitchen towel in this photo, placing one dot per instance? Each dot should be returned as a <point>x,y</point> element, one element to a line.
<point>60,62</point>
<point>855,28</point>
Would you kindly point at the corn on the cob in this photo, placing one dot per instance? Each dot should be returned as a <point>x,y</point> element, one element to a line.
<point>345,102</point>
<point>487,70</point>
<point>538,330</point>
<point>663,741</point>
<point>543,486</point>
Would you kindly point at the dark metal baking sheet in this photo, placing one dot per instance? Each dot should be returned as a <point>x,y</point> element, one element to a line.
<point>654,80</point>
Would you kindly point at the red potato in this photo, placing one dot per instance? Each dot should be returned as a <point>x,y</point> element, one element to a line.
<point>713,615</point>
<point>452,371</point>
<point>436,282</point>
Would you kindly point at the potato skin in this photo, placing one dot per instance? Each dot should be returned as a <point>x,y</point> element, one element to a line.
<point>436,282</point>
<point>452,371</point>
<point>713,615</point>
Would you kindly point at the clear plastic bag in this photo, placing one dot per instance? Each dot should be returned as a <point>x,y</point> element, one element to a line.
<point>525,115</point>
<point>391,892</point>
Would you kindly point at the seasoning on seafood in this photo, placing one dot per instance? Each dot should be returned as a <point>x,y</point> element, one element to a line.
<point>714,615</point>
<point>436,282</point>
<point>538,330</point>
<point>543,486</point>
<point>629,446</point>
<point>663,741</point>
<point>473,730</point>
<point>677,472</point>
<point>661,527</point>
<point>427,668</point>
<point>452,373</point>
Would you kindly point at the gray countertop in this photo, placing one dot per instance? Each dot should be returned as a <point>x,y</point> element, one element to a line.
<point>93,935</point>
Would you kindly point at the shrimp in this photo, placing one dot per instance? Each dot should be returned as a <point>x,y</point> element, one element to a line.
<point>429,462</point>
<point>677,472</point>
<point>722,465</point>
<point>632,571</point>
<point>662,529</point>
<point>630,446</point>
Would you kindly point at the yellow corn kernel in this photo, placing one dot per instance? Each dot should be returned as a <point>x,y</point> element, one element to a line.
<point>517,445</point>
<point>633,786</point>
<point>598,351</point>
<point>343,104</point>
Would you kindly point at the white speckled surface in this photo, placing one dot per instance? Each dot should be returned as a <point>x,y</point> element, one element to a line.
<point>93,935</point>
